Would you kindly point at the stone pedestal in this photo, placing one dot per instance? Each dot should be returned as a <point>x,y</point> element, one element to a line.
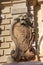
<point>25,63</point>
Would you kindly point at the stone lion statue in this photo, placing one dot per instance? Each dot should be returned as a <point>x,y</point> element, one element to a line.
<point>23,38</point>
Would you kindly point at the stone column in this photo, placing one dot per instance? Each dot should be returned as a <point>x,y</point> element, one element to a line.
<point>33,8</point>
<point>31,4</point>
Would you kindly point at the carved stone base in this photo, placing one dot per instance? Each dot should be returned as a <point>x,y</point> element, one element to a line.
<point>25,63</point>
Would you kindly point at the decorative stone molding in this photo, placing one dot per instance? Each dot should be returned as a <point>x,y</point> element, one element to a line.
<point>23,37</point>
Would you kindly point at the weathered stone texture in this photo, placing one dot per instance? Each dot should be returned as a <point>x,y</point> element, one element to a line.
<point>8,39</point>
<point>7,10</point>
<point>6,44</point>
<point>7,51</point>
<point>5,21</point>
<point>8,16</point>
<point>1,52</point>
<point>3,16</point>
<point>3,59</point>
<point>19,8</point>
<point>5,33</point>
<point>2,27</point>
<point>7,27</point>
<point>2,39</point>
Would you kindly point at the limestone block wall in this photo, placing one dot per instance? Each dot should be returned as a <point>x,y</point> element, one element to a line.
<point>6,16</point>
<point>6,43</point>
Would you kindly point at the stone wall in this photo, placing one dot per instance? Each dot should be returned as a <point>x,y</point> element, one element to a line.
<point>6,16</point>
<point>40,27</point>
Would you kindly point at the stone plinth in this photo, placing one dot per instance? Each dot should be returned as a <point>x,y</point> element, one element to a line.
<point>25,63</point>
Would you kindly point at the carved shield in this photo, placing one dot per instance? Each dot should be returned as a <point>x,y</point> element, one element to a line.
<point>22,35</point>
